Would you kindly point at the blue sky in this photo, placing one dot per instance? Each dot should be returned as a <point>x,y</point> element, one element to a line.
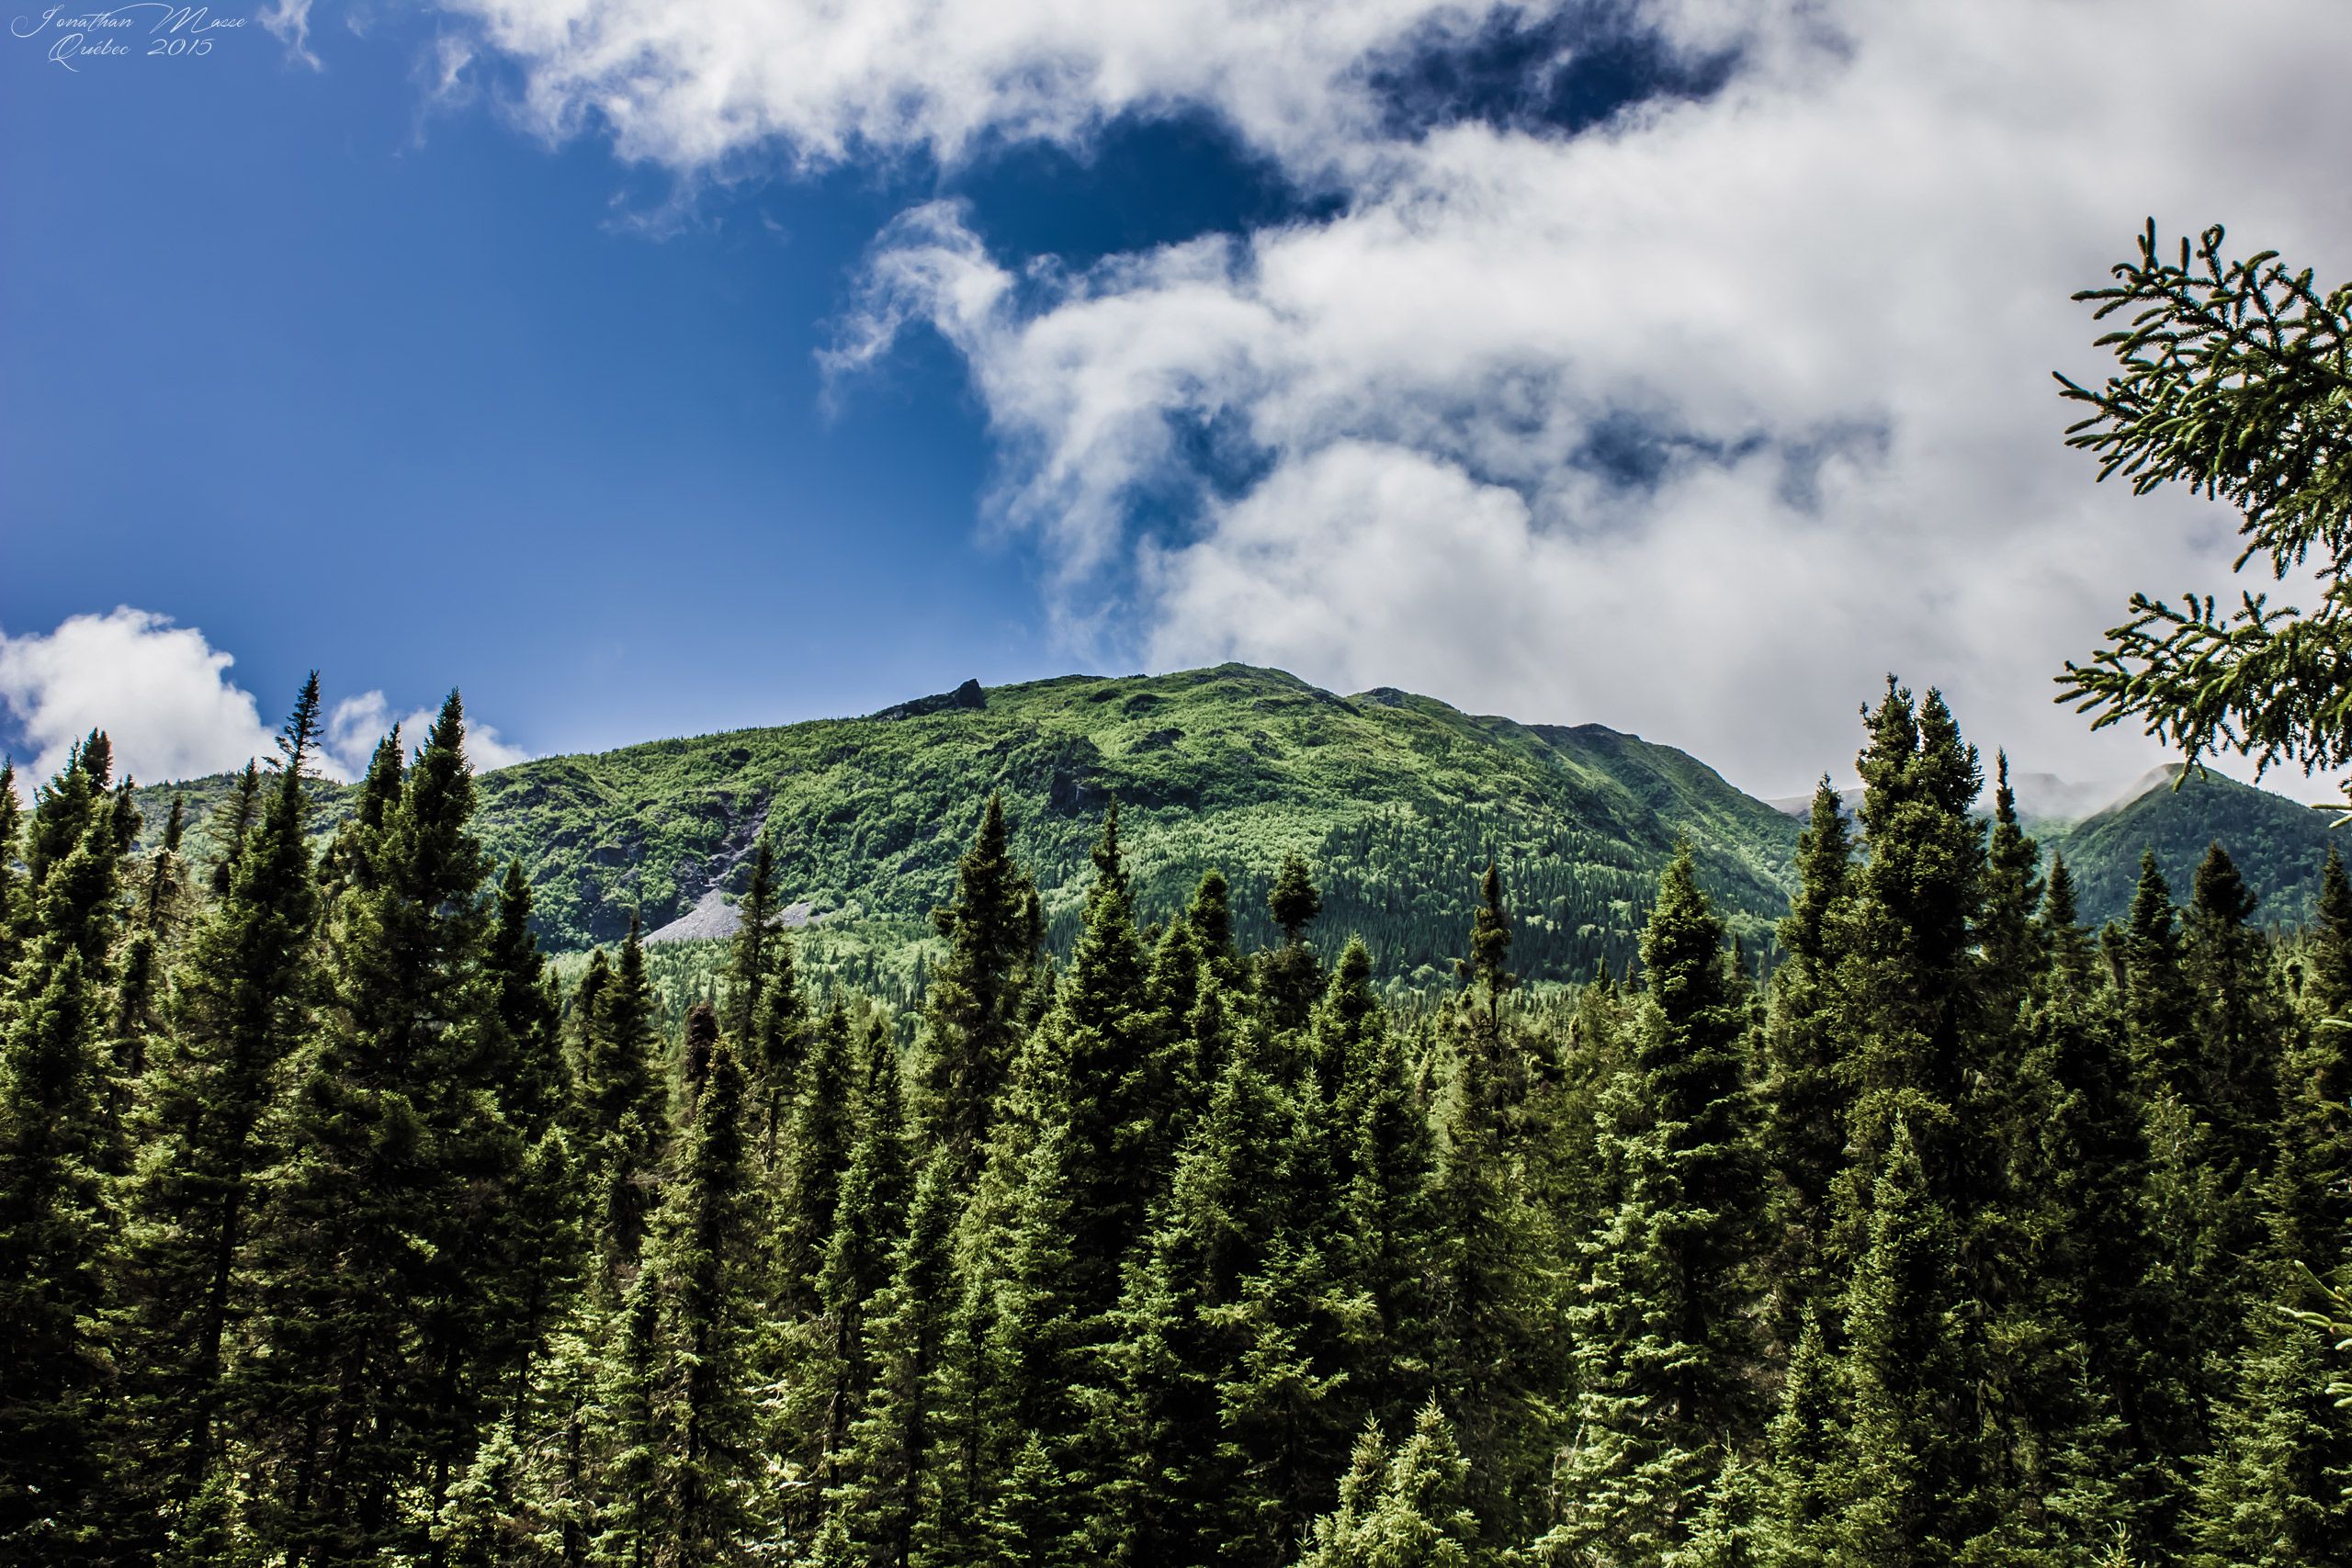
<point>348,381</point>
<point>654,368</point>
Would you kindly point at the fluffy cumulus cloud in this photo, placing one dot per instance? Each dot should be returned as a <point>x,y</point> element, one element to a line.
<point>1695,422</point>
<point>164,696</point>
<point>161,691</point>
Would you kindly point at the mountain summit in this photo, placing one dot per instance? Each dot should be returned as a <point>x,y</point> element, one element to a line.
<point>1397,801</point>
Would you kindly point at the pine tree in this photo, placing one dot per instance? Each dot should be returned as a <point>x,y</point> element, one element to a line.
<point>376,1307</point>
<point>1804,1101</point>
<point>619,1110</point>
<point>57,1205</point>
<point>972,1008</point>
<point>243,997</point>
<point>888,1488</point>
<point>1290,976</point>
<point>1664,1360</point>
<point>697,1285</point>
<point>1401,1510</point>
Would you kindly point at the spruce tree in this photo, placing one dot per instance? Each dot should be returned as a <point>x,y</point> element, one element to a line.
<point>867,1216</point>
<point>142,984</point>
<point>538,1241</point>
<point>766,1015</point>
<point>1804,1098</point>
<point>972,1008</point>
<point>375,1310</point>
<point>1497,1352</point>
<point>1907,1473</point>
<point>1290,976</point>
<point>243,998</point>
<point>2272,1493</point>
<point>12,880</point>
<point>620,1108</point>
<point>2234,1074</point>
<point>54,1215</point>
<point>58,1206</point>
<point>1103,1045</point>
<point>698,1287</point>
<point>887,1489</point>
<point>1803,1456</point>
<point>1907,983</point>
<point>1665,1360</point>
<point>2156,998</point>
<point>817,1148</point>
<point>1401,1508</point>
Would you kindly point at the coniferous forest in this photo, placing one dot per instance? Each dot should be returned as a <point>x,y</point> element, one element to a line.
<point>336,1232</point>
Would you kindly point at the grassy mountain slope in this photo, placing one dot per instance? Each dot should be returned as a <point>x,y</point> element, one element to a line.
<point>1397,801</point>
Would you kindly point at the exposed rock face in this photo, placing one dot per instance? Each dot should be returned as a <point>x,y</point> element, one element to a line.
<point>714,916</point>
<point>967,697</point>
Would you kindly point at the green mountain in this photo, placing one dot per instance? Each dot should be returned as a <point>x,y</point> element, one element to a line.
<point>1397,800</point>
<point>2278,844</point>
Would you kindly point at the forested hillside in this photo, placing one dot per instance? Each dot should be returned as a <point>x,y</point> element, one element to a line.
<point>334,1231</point>
<point>1397,799</point>
<point>2278,844</point>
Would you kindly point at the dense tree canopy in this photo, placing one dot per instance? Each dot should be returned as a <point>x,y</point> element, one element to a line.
<point>335,1232</point>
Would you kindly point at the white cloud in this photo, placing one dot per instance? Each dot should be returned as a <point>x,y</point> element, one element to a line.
<point>1830,297</point>
<point>696,85</point>
<point>1825,300</point>
<point>162,694</point>
<point>290,20</point>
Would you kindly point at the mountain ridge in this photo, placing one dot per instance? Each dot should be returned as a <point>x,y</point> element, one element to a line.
<point>1395,799</point>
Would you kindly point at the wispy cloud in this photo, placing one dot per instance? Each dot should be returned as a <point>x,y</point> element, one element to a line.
<point>289,21</point>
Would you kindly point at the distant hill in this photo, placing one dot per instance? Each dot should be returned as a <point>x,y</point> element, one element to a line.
<point>2278,844</point>
<point>1397,800</point>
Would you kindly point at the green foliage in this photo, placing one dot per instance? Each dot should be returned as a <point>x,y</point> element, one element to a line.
<point>1387,795</point>
<point>1401,1508</point>
<point>347,1227</point>
<point>2236,381</point>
